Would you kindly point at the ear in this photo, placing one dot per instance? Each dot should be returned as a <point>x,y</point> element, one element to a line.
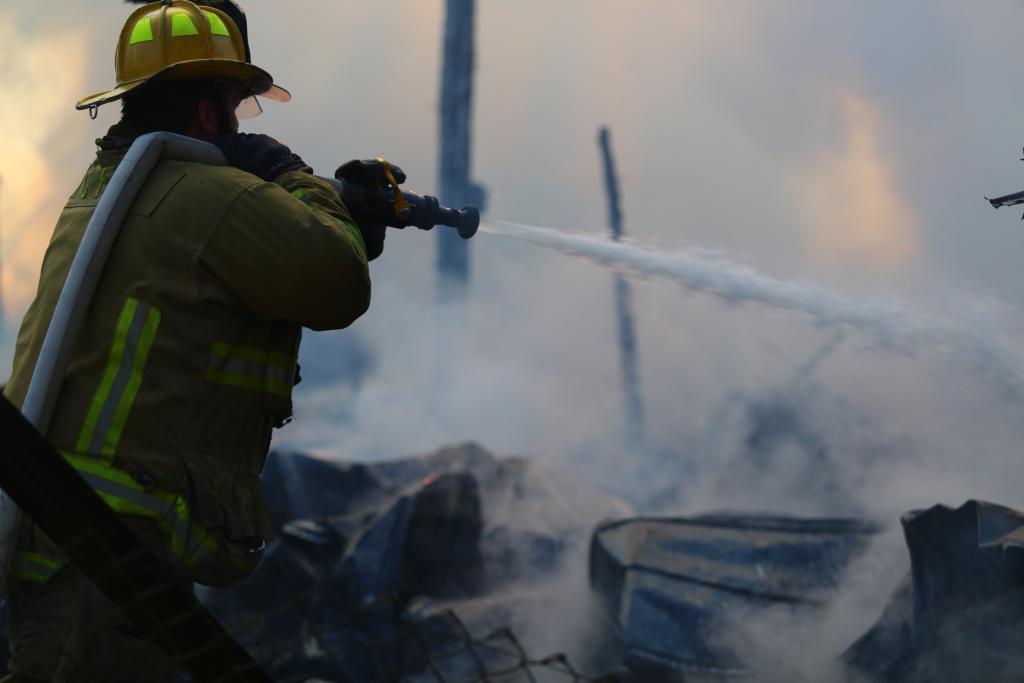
<point>206,124</point>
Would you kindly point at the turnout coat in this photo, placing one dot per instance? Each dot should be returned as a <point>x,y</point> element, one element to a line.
<point>188,354</point>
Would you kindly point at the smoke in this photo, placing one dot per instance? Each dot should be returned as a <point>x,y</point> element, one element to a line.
<point>40,76</point>
<point>849,194</point>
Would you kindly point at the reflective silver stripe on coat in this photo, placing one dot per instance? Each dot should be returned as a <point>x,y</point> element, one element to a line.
<point>124,373</point>
<point>33,567</point>
<point>245,366</point>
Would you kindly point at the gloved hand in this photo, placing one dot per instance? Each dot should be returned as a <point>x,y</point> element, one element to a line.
<point>369,173</point>
<point>260,155</point>
<point>371,218</point>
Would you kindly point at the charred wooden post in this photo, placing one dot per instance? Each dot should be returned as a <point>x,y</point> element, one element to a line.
<point>623,304</point>
<point>457,189</point>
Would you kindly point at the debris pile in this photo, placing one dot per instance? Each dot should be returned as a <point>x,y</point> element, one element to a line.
<point>368,557</point>
<point>400,571</point>
<point>957,615</point>
<point>416,571</point>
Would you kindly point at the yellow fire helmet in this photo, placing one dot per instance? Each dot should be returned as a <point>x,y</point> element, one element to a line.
<point>178,39</point>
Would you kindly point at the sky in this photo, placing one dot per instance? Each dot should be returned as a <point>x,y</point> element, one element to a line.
<point>848,146</point>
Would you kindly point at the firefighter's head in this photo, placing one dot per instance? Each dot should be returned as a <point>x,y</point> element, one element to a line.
<point>183,67</point>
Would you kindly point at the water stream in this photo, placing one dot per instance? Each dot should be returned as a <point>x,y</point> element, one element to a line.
<point>888,324</point>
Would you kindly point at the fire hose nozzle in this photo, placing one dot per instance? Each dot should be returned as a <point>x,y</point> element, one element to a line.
<point>469,221</point>
<point>420,210</point>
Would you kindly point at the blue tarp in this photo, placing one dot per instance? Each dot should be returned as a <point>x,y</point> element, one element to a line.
<point>958,614</point>
<point>668,584</point>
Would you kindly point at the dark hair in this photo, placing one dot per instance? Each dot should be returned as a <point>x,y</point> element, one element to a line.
<point>168,105</point>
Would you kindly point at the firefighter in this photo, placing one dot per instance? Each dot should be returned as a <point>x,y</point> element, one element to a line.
<point>187,357</point>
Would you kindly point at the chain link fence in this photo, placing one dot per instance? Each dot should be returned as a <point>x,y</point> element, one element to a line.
<point>380,643</point>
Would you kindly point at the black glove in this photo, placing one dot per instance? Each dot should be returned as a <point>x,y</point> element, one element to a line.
<point>369,173</point>
<point>260,155</point>
<point>371,217</point>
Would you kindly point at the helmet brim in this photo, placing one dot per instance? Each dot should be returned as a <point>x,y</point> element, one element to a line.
<point>259,81</point>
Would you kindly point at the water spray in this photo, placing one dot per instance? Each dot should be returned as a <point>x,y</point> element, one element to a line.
<point>890,324</point>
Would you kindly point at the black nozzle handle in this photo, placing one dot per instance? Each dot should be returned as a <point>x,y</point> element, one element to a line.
<point>465,220</point>
<point>420,210</point>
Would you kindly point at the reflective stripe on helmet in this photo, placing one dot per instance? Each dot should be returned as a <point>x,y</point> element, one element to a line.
<point>217,25</point>
<point>142,32</point>
<point>181,25</point>
<point>108,412</point>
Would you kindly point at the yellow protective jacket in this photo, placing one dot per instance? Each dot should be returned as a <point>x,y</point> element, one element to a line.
<point>187,357</point>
